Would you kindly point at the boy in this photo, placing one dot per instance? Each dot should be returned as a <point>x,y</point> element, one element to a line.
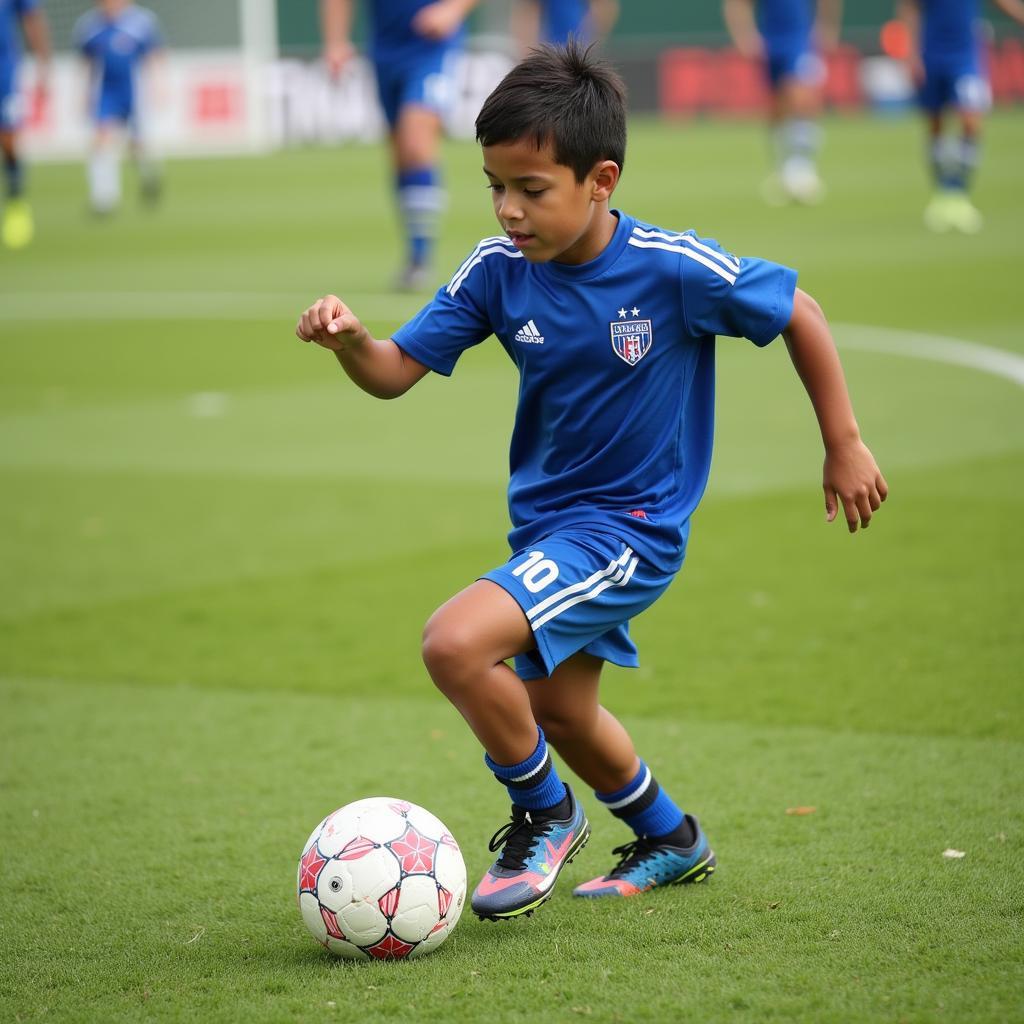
<point>948,63</point>
<point>117,39</point>
<point>783,36</point>
<point>18,227</point>
<point>611,323</point>
<point>414,43</point>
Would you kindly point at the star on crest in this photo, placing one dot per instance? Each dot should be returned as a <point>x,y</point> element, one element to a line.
<point>622,314</point>
<point>634,311</point>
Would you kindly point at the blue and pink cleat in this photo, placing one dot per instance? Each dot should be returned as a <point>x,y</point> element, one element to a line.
<point>645,864</point>
<point>534,849</point>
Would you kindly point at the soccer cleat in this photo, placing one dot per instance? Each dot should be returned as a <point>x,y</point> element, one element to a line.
<point>536,848</point>
<point>644,864</point>
<point>801,183</point>
<point>938,214</point>
<point>416,277</point>
<point>18,227</point>
<point>964,215</point>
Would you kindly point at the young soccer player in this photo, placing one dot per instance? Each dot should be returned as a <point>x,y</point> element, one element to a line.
<point>611,324</point>
<point>947,61</point>
<point>18,226</point>
<point>785,35</point>
<point>413,46</point>
<point>118,39</point>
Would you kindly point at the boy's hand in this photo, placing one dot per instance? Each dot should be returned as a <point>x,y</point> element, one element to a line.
<point>330,323</point>
<point>852,476</point>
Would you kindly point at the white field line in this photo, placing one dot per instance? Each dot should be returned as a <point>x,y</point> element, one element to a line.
<point>934,348</point>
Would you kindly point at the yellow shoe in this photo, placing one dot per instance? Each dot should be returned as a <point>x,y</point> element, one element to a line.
<point>18,226</point>
<point>938,214</point>
<point>965,216</point>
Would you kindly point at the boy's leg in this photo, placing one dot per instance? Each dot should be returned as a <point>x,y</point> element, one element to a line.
<point>465,645</point>
<point>104,169</point>
<point>670,847</point>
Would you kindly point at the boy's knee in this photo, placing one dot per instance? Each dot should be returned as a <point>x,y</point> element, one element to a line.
<point>448,651</point>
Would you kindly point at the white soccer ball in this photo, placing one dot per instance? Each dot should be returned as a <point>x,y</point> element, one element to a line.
<point>381,879</point>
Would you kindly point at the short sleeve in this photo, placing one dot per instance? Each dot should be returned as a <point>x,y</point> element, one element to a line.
<point>152,38</point>
<point>731,296</point>
<point>454,320</point>
<point>83,34</point>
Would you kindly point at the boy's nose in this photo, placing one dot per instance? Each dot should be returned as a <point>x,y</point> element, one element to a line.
<point>509,210</point>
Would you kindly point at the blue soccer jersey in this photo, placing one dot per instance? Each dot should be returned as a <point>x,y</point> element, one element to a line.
<point>563,18</point>
<point>785,23</point>
<point>392,34</point>
<point>116,47</point>
<point>616,359</point>
<point>949,29</point>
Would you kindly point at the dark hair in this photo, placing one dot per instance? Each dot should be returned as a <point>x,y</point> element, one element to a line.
<point>562,96</point>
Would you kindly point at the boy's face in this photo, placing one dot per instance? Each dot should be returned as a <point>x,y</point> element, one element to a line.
<point>543,209</point>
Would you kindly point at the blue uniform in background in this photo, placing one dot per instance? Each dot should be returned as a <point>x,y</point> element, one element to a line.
<point>11,13</point>
<point>952,52</point>
<point>116,48</point>
<point>787,28</point>
<point>409,67</point>
<point>611,447</point>
<point>560,19</point>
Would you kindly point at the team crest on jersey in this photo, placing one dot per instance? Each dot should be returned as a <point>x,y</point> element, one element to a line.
<point>631,338</point>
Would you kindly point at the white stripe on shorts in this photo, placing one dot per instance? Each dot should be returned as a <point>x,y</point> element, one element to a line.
<point>574,588</point>
<point>620,579</point>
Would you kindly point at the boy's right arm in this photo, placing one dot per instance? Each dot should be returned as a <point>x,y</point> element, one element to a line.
<point>380,368</point>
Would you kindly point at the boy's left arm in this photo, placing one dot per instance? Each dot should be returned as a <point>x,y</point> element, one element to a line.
<point>1013,8</point>
<point>851,474</point>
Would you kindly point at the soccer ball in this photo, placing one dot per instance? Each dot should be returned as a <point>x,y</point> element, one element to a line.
<point>381,879</point>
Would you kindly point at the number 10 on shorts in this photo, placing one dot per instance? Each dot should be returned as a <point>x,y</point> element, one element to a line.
<point>537,572</point>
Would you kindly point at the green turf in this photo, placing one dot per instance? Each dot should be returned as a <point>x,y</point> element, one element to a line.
<point>217,559</point>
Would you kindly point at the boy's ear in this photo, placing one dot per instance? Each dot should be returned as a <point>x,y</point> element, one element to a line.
<point>605,176</point>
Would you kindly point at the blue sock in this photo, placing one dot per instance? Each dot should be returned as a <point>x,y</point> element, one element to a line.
<point>643,805</point>
<point>947,167</point>
<point>420,199</point>
<point>969,153</point>
<point>14,176</point>
<point>533,783</point>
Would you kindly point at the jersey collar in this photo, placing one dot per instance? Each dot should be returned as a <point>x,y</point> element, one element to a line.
<point>601,263</point>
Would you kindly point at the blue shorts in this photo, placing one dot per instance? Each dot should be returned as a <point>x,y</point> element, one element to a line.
<point>579,588</point>
<point>797,62</point>
<point>11,106</point>
<point>960,83</point>
<point>115,105</point>
<point>425,81</point>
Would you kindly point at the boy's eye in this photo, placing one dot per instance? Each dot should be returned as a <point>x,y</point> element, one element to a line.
<point>533,192</point>
<point>496,188</point>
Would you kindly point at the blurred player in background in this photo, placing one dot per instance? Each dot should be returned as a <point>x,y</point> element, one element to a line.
<point>553,21</point>
<point>786,35</point>
<point>17,228</point>
<point>947,61</point>
<point>118,39</point>
<point>413,44</point>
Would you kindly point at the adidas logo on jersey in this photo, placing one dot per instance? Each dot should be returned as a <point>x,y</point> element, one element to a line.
<point>529,335</point>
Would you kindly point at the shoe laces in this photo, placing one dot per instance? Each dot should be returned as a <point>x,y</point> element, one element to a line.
<point>630,855</point>
<point>518,836</point>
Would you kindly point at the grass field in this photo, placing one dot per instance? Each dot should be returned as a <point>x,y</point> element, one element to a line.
<point>217,558</point>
